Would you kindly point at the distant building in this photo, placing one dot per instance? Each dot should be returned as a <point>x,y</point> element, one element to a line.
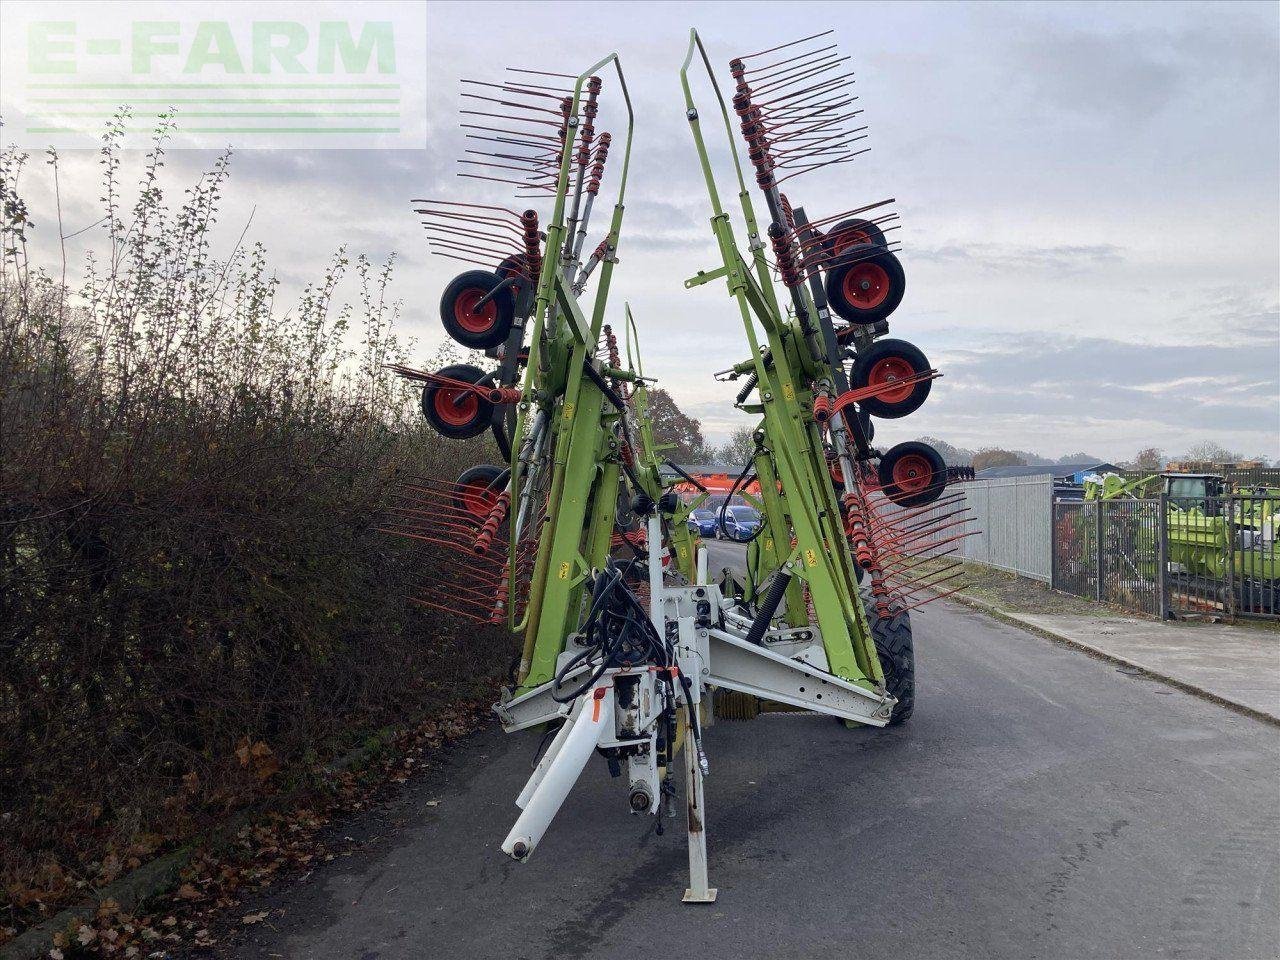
<point>1061,472</point>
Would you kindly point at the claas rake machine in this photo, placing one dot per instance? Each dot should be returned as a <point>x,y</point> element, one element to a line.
<point>579,542</point>
<point>836,510</point>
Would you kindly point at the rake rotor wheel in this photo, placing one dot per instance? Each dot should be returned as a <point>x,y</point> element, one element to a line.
<point>474,489</point>
<point>912,474</point>
<point>887,362</point>
<point>467,321</point>
<point>866,285</point>
<point>454,412</point>
<point>851,233</point>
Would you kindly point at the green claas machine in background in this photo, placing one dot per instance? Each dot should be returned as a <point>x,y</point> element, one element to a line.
<point>1221,545</point>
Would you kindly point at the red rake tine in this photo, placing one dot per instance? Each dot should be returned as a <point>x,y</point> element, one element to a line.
<point>779,63</point>
<point>784,46</point>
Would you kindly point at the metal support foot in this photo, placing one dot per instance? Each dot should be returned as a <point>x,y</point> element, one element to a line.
<point>697,891</point>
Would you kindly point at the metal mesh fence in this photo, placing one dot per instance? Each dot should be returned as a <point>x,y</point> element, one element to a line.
<point>1011,524</point>
<point>1130,534</point>
<point>1223,557</point>
<point>1109,551</point>
<point>1202,556</point>
<point>1075,557</point>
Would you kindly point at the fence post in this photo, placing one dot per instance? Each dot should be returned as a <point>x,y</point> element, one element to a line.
<point>1053,543</point>
<point>1162,553</point>
<point>1100,558</point>
<point>1229,601</point>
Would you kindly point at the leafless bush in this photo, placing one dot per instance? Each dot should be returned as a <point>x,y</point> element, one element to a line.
<point>190,483</point>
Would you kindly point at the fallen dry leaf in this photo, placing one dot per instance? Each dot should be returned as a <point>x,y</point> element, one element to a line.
<point>250,918</point>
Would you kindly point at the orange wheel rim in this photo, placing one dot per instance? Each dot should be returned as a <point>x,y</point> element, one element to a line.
<point>912,473</point>
<point>456,408</point>
<point>866,285</point>
<point>892,370</point>
<point>849,238</point>
<point>477,499</point>
<point>471,319</point>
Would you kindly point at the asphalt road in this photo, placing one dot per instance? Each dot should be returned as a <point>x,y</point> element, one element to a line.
<point>1040,804</point>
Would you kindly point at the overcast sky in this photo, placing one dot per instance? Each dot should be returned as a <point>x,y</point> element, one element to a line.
<point>1090,202</point>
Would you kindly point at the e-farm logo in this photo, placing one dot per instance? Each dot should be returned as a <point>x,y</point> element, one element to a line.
<point>273,75</point>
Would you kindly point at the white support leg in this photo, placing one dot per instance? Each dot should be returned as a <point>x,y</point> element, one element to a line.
<point>593,722</point>
<point>549,757</point>
<point>698,891</point>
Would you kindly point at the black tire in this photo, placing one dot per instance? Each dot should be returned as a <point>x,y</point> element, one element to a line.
<point>866,285</point>
<point>477,330</point>
<point>516,266</point>
<point>453,419</point>
<point>473,491</point>
<point>896,651</point>
<point>912,474</point>
<point>850,233</point>
<point>887,360</point>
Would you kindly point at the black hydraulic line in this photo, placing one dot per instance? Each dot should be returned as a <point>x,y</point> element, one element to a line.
<point>777,589</point>
<point>676,468</point>
<point>510,281</point>
<point>609,393</point>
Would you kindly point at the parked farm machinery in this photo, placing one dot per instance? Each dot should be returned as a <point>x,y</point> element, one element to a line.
<point>579,543</point>
<point>1220,546</point>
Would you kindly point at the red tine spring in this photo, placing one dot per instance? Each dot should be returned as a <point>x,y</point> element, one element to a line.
<point>497,514</point>
<point>500,606</point>
<point>504,395</point>
<point>532,244</point>
<point>822,407</point>
<point>597,169</point>
<point>590,109</point>
<point>784,255</point>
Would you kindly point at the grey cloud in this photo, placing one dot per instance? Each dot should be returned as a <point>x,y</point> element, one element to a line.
<point>1066,258</point>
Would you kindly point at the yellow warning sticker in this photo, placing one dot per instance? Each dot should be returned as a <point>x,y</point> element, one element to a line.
<point>564,570</point>
<point>788,392</point>
<point>811,558</point>
<point>568,412</point>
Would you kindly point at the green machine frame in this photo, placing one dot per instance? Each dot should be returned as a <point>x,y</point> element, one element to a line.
<point>575,410</point>
<point>796,492</point>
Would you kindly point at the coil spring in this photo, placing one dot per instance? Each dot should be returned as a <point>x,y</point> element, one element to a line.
<point>566,107</point>
<point>784,255</point>
<point>589,110</point>
<point>501,395</point>
<point>822,407</point>
<point>500,602</point>
<point>597,170</point>
<point>856,527</point>
<point>753,127</point>
<point>497,513</point>
<point>532,243</point>
<point>611,344</point>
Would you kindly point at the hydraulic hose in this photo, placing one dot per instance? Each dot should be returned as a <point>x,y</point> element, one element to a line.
<point>764,616</point>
